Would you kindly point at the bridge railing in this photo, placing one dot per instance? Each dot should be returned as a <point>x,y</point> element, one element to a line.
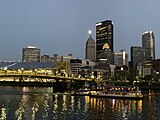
<point>34,74</point>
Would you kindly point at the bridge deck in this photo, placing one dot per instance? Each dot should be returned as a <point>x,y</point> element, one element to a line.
<point>39,75</point>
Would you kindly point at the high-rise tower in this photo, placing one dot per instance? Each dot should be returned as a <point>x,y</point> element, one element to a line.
<point>90,48</point>
<point>104,39</point>
<point>137,56</point>
<point>148,44</point>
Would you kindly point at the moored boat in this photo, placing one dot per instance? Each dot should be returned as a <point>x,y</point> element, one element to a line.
<point>118,93</point>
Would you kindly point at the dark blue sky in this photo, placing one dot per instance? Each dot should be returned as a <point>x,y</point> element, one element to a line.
<point>61,26</point>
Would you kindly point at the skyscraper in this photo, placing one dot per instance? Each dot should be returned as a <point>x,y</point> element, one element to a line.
<point>90,48</point>
<point>137,56</point>
<point>31,54</point>
<point>148,44</point>
<point>104,39</point>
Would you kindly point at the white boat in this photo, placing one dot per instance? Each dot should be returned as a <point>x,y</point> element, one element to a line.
<point>129,94</point>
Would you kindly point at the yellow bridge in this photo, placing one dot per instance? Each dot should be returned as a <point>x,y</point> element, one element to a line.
<point>30,76</point>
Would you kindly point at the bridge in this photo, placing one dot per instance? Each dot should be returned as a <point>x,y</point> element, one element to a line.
<point>25,78</point>
<point>33,76</point>
<point>37,71</point>
<point>47,74</point>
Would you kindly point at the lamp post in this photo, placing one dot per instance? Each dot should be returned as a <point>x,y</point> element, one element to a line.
<point>35,70</point>
<point>5,69</point>
<point>56,73</point>
<point>22,71</point>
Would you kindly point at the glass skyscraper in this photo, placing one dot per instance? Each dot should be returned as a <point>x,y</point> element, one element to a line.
<point>148,44</point>
<point>104,39</point>
<point>137,56</point>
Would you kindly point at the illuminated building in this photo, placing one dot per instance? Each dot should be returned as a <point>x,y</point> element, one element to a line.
<point>120,58</point>
<point>75,65</point>
<point>90,48</point>
<point>31,54</point>
<point>147,68</point>
<point>104,39</point>
<point>148,44</point>
<point>79,66</point>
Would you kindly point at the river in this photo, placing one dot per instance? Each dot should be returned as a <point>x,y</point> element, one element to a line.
<point>40,103</point>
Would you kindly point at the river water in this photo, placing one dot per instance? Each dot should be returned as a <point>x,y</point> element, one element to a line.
<point>40,103</point>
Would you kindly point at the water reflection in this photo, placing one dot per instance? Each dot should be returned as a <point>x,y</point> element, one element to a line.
<point>30,103</point>
<point>116,108</point>
<point>3,113</point>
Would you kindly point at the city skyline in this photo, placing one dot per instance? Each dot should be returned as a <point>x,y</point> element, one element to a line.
<point>55,27</point>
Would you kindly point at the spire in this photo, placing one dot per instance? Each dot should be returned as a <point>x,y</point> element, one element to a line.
<point>90,47</point>
<point>89,32</point>
<point>90,36</point>
<point>90,40</point>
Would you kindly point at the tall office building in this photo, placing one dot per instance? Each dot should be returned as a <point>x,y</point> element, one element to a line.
<point>148,44</point>
<point>90,48</point>
<point>120,58</point>
<point>31,54</point>
<point>137,56</point>
<point>104,39</point>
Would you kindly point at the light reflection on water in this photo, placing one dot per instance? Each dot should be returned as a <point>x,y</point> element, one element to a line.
<point>30,103</point>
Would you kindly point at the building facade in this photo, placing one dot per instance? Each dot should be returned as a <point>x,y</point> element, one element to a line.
<point>81,67</point>
<point>75,65</point>
<point>148,44</point>
<point>104,39</point>
<point>137,56</point>
<point>90,49</point>
<point>120,58</point>
<point>31,54</point>
<point>45,58</point>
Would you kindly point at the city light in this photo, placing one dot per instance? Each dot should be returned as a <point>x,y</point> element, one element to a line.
<point>89,32</point>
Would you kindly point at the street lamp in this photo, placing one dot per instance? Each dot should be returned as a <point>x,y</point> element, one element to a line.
<point>5,69</point>
<point>22,70</point>
<point>35,70</point>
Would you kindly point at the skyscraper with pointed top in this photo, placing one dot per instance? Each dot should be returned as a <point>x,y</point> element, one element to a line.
<point>90,51</point>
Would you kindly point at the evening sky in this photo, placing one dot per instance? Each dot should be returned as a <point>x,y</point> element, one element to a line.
<point>61,26</point>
